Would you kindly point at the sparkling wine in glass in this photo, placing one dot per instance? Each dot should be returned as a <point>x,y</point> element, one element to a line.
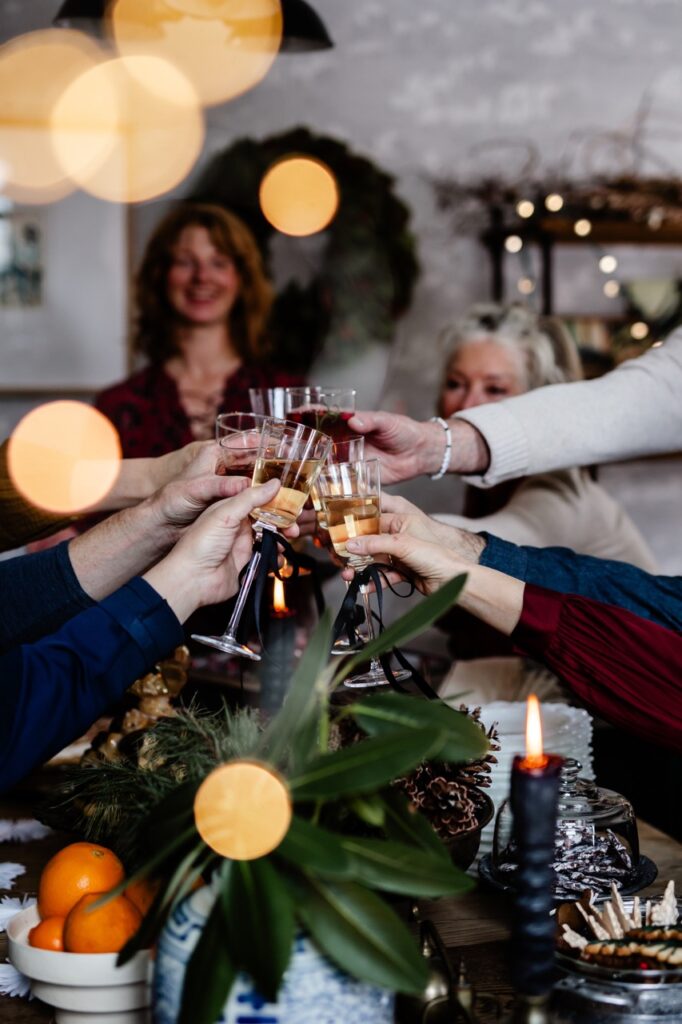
<point>324,409</point>
<point>294,455</point>
<point>351,495</point>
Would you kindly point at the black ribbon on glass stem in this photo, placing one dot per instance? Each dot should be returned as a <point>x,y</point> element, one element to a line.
<point>347,619</point>
<point>269,544</point>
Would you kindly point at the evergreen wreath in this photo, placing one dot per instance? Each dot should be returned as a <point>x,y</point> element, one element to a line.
<point>370,266</point>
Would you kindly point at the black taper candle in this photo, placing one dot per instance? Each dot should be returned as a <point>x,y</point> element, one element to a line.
<point>534,797</point>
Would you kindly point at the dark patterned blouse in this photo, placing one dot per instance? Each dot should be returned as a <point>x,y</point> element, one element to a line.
<point>150,419</point>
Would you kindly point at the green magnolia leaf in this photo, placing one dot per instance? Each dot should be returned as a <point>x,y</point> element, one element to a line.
<point>414,622</point>
<point>369,809</point>
<point>315,849</point>
<point>205,990</point>
<point>397,867</point>
<point>360,933</point>
<point>404,823</point>
<point>383,713</point>
<point>363,766</point>
<point>299,703</point>
<point>259,909</point>
<point>183,876</point>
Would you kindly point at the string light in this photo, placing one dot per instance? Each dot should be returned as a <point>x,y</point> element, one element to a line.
<point>513,243</point>
<point>526,285</point>
<point>582,227</point>
<point>608,263</point>
<point>525,208</point>
<point>639,330</point>
<point>554,202</point>
<point>611,289</point>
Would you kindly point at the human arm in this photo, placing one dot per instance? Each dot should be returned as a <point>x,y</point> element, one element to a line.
<point>21,522</point>
<point>623,667</point>
<point>54,689</point>
<point>39,592</point>
<point>657,598</point>
<point>633,411</point>
<point>408,448</point>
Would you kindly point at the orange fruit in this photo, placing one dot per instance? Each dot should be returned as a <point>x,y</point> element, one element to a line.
<point>141,893</point>
<point>48,934</point>
<point>77,869</point>
<point>105,929</point>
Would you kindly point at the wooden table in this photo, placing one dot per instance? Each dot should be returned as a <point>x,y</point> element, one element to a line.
<point>475,927</point>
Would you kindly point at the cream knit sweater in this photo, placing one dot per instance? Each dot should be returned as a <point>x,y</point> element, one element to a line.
<point>633,411</point>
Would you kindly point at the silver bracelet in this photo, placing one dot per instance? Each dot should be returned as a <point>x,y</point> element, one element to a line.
<point>448,447</point>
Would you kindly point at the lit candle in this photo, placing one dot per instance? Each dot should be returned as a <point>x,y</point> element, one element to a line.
<point>534,796</point>
<point>277,662</point>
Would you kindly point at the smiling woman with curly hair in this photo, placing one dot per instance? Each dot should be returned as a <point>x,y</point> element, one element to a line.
<point>203,303</point>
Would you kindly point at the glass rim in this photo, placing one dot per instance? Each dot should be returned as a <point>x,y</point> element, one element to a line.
<point>294,429</point>
<point>319,387</point>
<point>353,462</point>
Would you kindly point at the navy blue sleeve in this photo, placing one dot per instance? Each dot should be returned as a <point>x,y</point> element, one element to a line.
<point>53,690</point>
<point>38,594</point>
<point>657,598</point>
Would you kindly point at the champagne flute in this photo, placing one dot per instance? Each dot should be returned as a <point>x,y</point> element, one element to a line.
<point>237,422</point>
<point>294,455</point>
<point>269,402</point>
<point>351,495</point>
<point>326,409</point>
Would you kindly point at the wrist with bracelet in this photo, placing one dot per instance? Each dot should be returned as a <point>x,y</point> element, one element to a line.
<point>445,464</point>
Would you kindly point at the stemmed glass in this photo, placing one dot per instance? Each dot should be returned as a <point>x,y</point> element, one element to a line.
<point>326,409</point>
<point>268,402</point>
<point>237,422</point>
<point>294,455</point>
<point>351,495</point>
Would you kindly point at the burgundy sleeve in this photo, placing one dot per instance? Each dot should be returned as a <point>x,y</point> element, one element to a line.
<point>626,669</point>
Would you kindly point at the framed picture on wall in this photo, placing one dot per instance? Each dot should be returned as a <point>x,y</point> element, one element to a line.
<point>63,296</point>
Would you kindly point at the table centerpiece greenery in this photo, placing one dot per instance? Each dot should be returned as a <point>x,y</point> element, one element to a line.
<point>352,834</point>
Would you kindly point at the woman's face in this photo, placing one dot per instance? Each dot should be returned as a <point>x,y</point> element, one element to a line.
<point>203,282</point>
<point>482,372</point>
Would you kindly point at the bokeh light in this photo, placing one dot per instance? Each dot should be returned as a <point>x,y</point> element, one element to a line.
<point>554,202</point>
<point>242,810</point>
<point>34,71</point>
<point>611,289</point>
<point>64,456</point>
<point>608,263</point>
<point>525,208</point>
<point>526,285</point>
<point>299,195</point>
<point>639,330</point>
<point>582,227</point>
<point>513,243</point>
<point>129,129</point>
<point>223,47</point>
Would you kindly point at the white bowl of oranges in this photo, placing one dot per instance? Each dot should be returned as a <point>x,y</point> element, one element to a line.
<point>67,947</point>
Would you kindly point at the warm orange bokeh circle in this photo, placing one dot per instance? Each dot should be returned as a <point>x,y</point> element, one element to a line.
<point>299,195</point>
<point>243,810</point>
<point>64,456</point>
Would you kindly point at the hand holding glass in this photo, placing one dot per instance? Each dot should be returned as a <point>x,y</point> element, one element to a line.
<point>293,455</point>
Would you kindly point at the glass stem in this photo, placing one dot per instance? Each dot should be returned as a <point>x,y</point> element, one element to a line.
<point>244,590</point>
<point>365,591</point>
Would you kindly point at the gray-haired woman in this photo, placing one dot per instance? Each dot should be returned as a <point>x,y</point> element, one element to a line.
<point>495,352</point>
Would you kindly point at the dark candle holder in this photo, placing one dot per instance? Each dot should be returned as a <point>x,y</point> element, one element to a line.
<point>534,797</point>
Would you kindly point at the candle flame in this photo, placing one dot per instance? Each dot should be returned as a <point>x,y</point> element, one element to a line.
<point>534,754</point>
<point>278,599</point>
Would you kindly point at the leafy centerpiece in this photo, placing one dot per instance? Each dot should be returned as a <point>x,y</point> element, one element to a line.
<point>349,835</point>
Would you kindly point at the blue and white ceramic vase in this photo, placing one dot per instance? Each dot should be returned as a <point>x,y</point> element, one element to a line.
<point>313,991</point>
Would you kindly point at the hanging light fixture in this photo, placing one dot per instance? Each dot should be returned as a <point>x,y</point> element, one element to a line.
<point>303,29</point>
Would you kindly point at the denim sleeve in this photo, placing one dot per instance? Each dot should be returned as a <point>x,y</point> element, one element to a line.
<point>38,594</point>
<point>53,690</point>
<point>657,598</point>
